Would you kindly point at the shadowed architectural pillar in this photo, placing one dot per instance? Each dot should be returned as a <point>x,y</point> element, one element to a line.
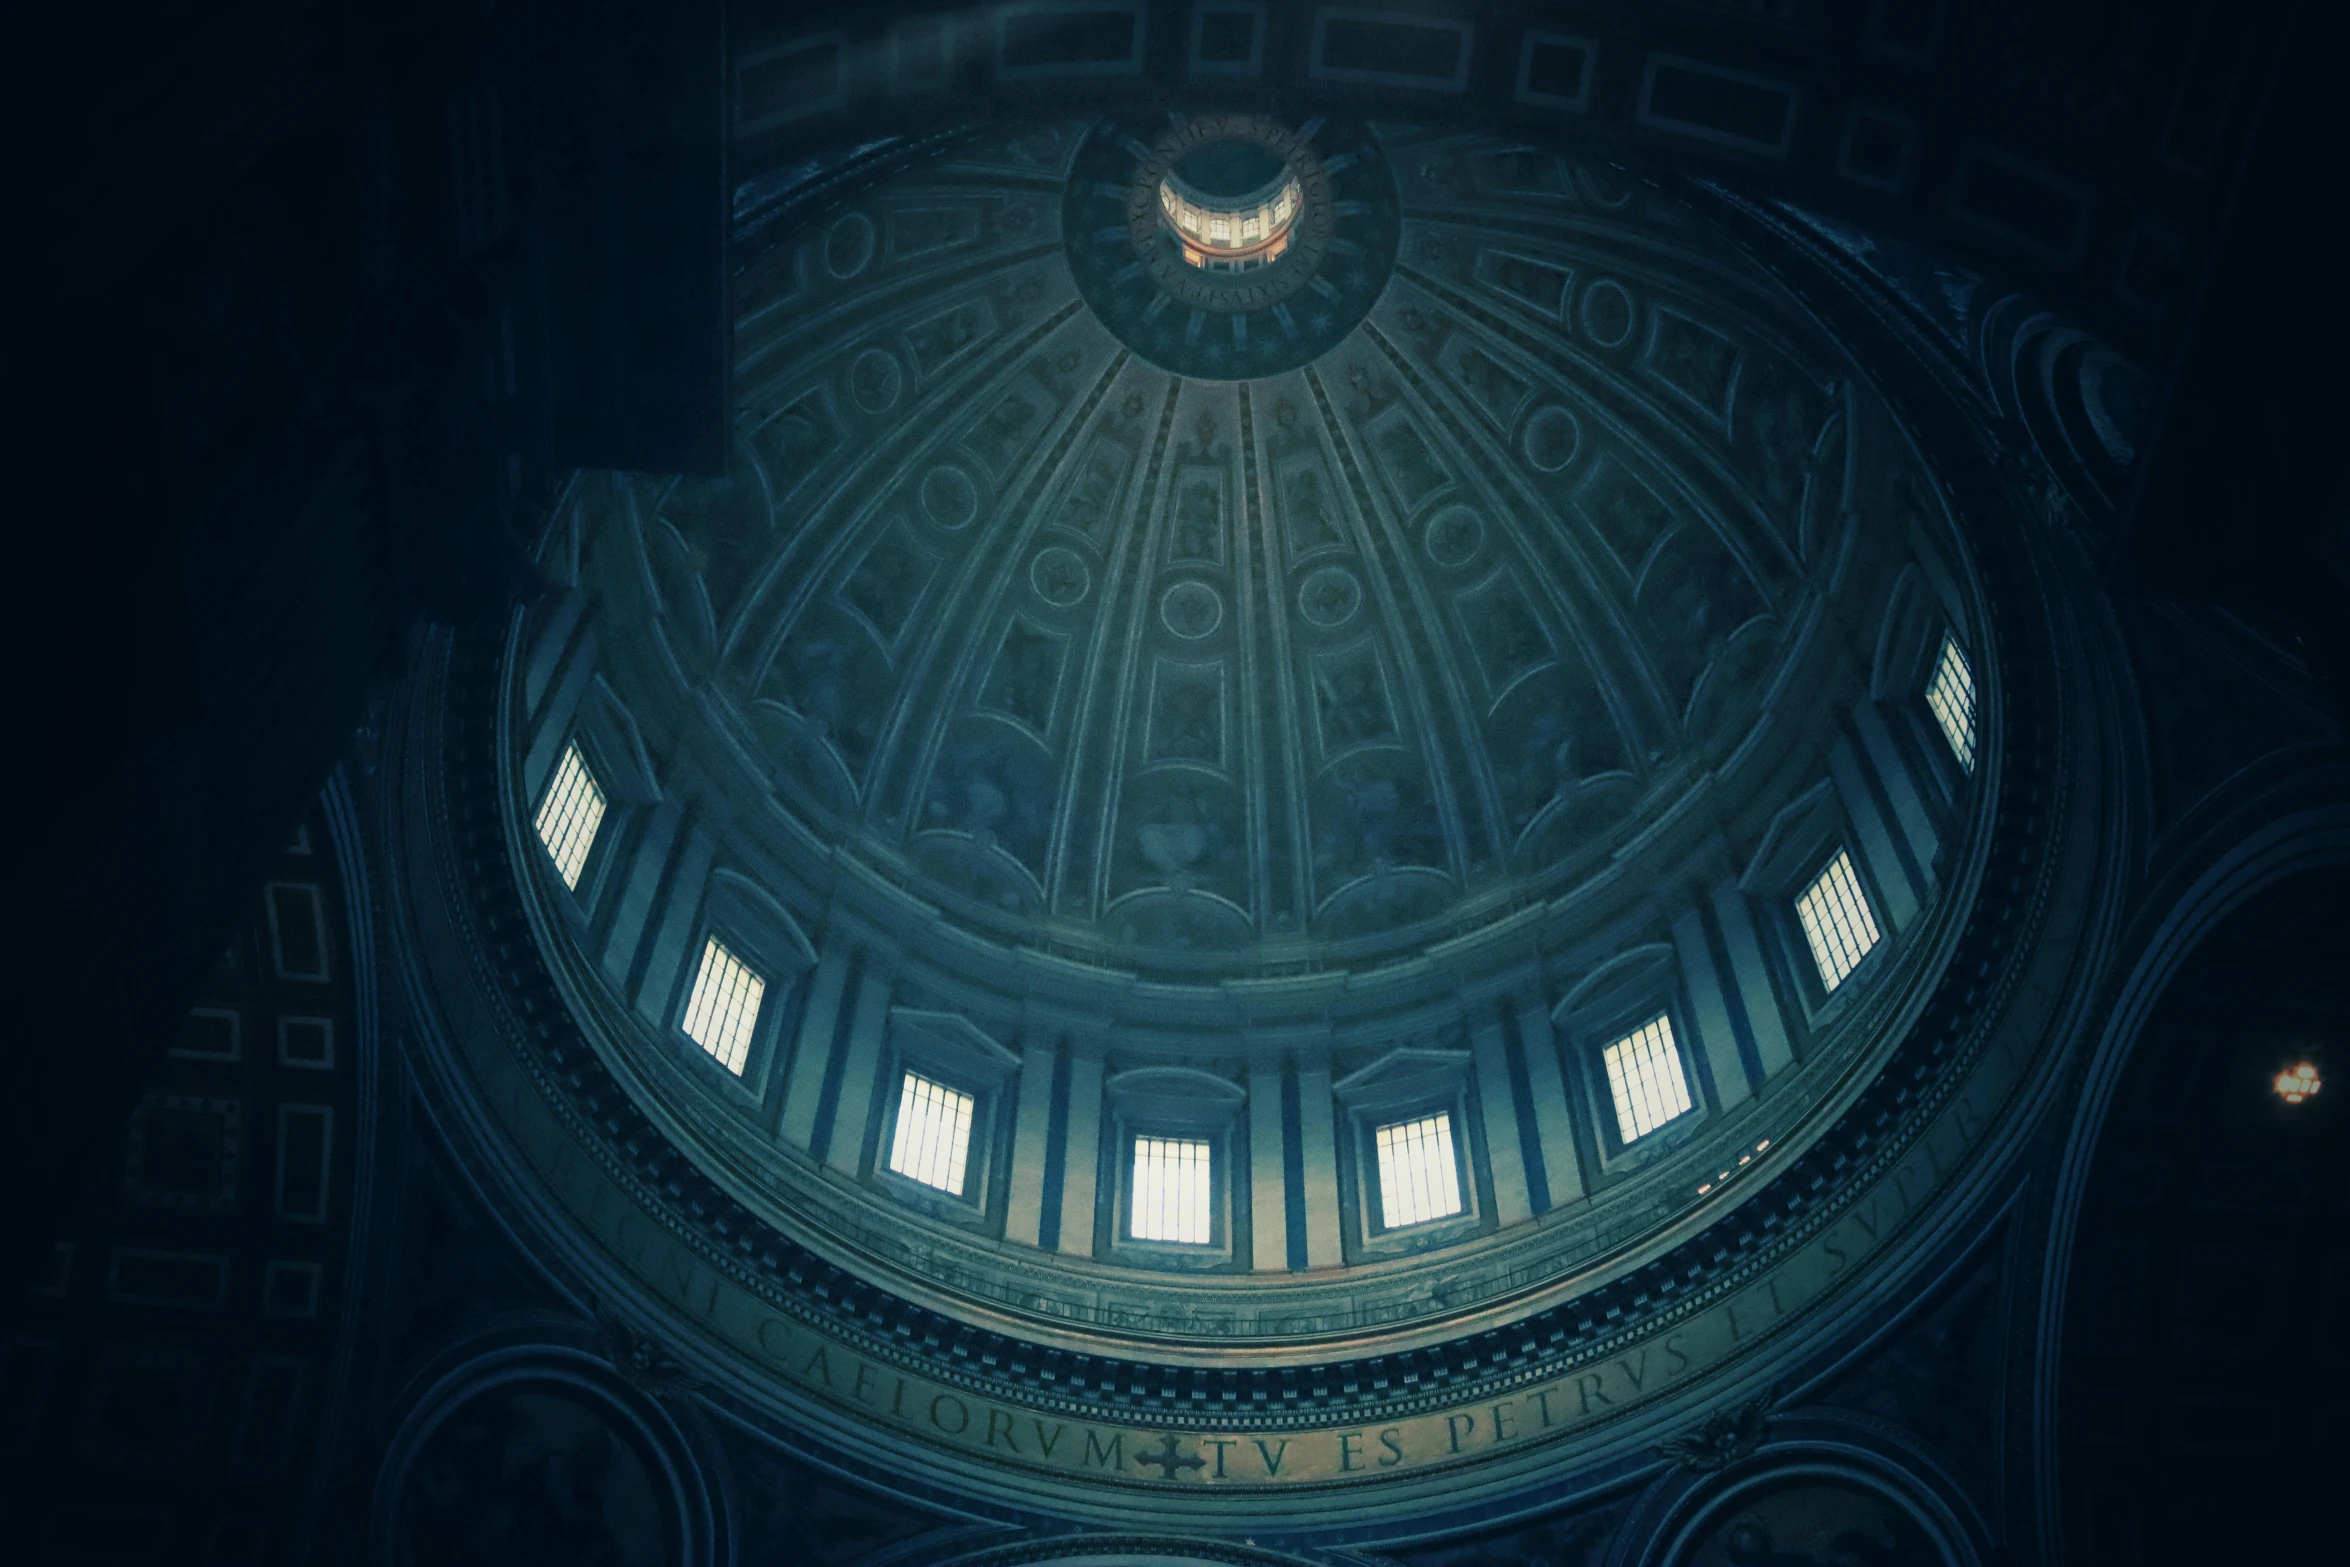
<point>811,1057</point>
<point>1268,1181</point>
<point>1081,1152</point>
<point>1909,805</point>
<point>1876,845</point>
<point>1498,1108</point>
<point>1751,979</point>
<point>681,909</point>
<point>1717,1036</point>
<point>1318,1151</point>
<point>844,1150</point>
<point>1031,1139</point>
<point>648,858</point>
<point>1553,1126</point>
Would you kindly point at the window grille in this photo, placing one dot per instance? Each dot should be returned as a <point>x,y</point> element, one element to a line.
<point>724,1006</point>
<point>1836,921</point>
<point>933,1140</point>
<point>1644,1074</point>
<point>569,814</point>
<point>1419,1179</point>
<point>1951,694</point>
<point>1173,1193</point>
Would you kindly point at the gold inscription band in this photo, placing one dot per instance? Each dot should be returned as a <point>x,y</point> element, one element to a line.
<point>807,1360</point>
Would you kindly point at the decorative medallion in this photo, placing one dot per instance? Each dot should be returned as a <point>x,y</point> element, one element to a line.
<point>1330,597</point>
<point>1060,577</point>
<point>1726,1436</point>
<point>1191,610</point>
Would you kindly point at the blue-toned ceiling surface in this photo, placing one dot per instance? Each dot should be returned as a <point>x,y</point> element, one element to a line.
<point>1222,680</point>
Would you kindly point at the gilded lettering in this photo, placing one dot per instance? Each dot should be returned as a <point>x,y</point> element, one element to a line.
<point>1587,1388</point>
<point>1502,1415</point>
<point>962,1414</point>
<point>1635,1375</point>
<point>1219,1443</point>
<point>819,1364</point>
<point>1112,1456</point>
<point>1346,1449</point>
<point>1272,1455</point>
<point>1458,1426</point>
<point>1541,1397</point>
<point>1392,1439</point>
<point>1044,1443</point>
<point>999,1423</point>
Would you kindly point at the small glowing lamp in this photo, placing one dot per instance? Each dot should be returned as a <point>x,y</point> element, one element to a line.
<point>1744,1160</point>
<point>2297,1083</point>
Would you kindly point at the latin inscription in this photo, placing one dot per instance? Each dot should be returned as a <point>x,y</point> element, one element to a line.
<point>1184,1457</point>
<point>811,1363</point>
<point>818,1365</point>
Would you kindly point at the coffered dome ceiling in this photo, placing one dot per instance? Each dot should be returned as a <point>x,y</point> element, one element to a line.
<point>1258,704</point>
<point>1002,633</point>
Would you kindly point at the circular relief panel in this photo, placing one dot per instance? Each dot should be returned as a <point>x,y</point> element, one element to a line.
<point>875,381</point>
<point>1550,439</point>
<point>1191,610</point>
<point>1060,577</point>
<point>1330,597</point>
<point>1807,1512</point>
<point>848,248</point>
<point>1607,313</point>
<point>949,497</point>
<point>530,1462</point>
<point>1455,534</point>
